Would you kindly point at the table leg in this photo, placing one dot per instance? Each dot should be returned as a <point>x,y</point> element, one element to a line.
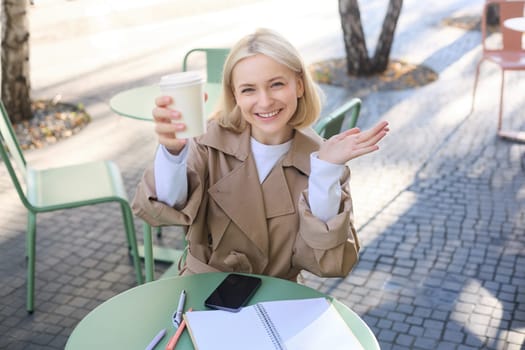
<point>147,252</point>
<point>150,253</point>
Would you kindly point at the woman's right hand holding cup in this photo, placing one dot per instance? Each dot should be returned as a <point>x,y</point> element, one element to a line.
<point>167,123</point>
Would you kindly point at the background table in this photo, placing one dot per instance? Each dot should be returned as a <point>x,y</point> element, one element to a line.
<point>516,23</point>
<point>131,319</point>
<point>138,102</point>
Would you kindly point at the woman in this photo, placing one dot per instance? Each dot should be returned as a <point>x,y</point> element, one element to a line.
<point>259,192</point>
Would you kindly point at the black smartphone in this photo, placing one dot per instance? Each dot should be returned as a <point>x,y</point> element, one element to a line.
<point>233,292</point>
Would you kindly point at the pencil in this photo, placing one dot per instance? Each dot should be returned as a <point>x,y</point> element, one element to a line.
<point>173,341</point>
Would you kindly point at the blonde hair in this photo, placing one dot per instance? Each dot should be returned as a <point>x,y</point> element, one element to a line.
<point>273,45</point>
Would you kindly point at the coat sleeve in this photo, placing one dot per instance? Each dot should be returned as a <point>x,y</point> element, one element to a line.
<point>156,213</point>
<point>327,249</point>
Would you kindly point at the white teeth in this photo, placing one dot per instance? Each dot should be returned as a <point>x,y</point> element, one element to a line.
<point>267,115</point>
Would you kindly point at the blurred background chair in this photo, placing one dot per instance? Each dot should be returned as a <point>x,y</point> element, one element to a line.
<point>60,188</point>
<point>215,58</point>
<point>508,53</point>
<point>334,123</point>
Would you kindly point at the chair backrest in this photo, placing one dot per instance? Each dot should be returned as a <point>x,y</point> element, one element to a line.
<point>9,146</point>
<point>215,58</point>
<point>511,40</point>
<point>333,123</point>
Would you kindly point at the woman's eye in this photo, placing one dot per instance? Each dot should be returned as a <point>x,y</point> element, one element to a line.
<point>247,90</point>
<point>278,84</point>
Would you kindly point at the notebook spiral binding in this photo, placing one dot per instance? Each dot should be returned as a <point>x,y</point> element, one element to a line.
<point>269,327</point>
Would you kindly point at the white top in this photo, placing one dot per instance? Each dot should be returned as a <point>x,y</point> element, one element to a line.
<point>324,190</point>
<point>266,156</point>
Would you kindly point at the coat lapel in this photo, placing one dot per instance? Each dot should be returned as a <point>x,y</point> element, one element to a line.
<point>238,193</point>
<point>277,197</point>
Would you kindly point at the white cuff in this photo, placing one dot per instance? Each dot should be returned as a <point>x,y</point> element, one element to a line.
<point>171,182</point>
<point>324,190</point>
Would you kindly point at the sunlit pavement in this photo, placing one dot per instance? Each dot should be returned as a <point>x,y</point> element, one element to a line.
<point>439,210</point>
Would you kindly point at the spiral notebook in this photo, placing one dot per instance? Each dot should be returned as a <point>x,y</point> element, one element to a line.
<point>299,324</point>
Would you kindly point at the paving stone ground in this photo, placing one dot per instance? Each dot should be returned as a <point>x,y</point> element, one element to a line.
<point>440,210</point>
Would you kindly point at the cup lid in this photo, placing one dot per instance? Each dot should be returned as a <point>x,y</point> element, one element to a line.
<point>182,78</point>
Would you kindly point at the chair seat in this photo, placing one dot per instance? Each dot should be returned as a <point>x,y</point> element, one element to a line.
<point>74,185</point>
<point>507,60</point>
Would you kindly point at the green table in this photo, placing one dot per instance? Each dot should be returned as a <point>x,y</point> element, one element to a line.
<point>138,102</point>
<point>131,319</point>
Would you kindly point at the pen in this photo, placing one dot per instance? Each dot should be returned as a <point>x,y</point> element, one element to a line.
<point>156,340</point>
<point>173,341</point>
<point>177,318</point>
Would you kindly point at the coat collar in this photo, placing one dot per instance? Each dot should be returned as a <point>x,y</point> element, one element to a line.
<point>305,141</point>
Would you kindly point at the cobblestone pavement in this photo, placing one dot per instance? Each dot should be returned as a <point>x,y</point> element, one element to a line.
<point>440,209</point>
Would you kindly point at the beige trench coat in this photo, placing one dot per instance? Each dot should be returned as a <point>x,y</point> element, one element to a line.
<point>236,224</point>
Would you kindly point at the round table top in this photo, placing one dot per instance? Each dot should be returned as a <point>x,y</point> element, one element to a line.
<point>138,102</point>
<point>131,319</point>
<point>516,23</point>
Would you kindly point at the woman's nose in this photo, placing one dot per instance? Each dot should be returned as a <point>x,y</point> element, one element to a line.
<point>265,98</point>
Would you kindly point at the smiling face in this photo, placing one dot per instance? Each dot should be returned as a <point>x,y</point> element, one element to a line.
<point>266,93</point>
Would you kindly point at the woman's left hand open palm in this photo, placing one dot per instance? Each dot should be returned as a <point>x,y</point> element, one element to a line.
<point>352,143</point>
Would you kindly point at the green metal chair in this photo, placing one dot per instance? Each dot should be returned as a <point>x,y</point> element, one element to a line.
<point>59,188</point>
<point>333,123</point>
<point>151,253</point>
<point>215,58</point>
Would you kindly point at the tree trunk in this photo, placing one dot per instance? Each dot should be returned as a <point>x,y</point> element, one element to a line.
<point>15,60</point>
<point>357,60</point>
<point>493,15</point>
<point>384,44</point>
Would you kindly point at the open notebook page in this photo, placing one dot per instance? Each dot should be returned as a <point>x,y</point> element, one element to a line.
<point>301,324</point>
<point>311,324</point>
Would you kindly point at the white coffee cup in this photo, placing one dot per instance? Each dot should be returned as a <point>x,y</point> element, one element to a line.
<point>187,91</point>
